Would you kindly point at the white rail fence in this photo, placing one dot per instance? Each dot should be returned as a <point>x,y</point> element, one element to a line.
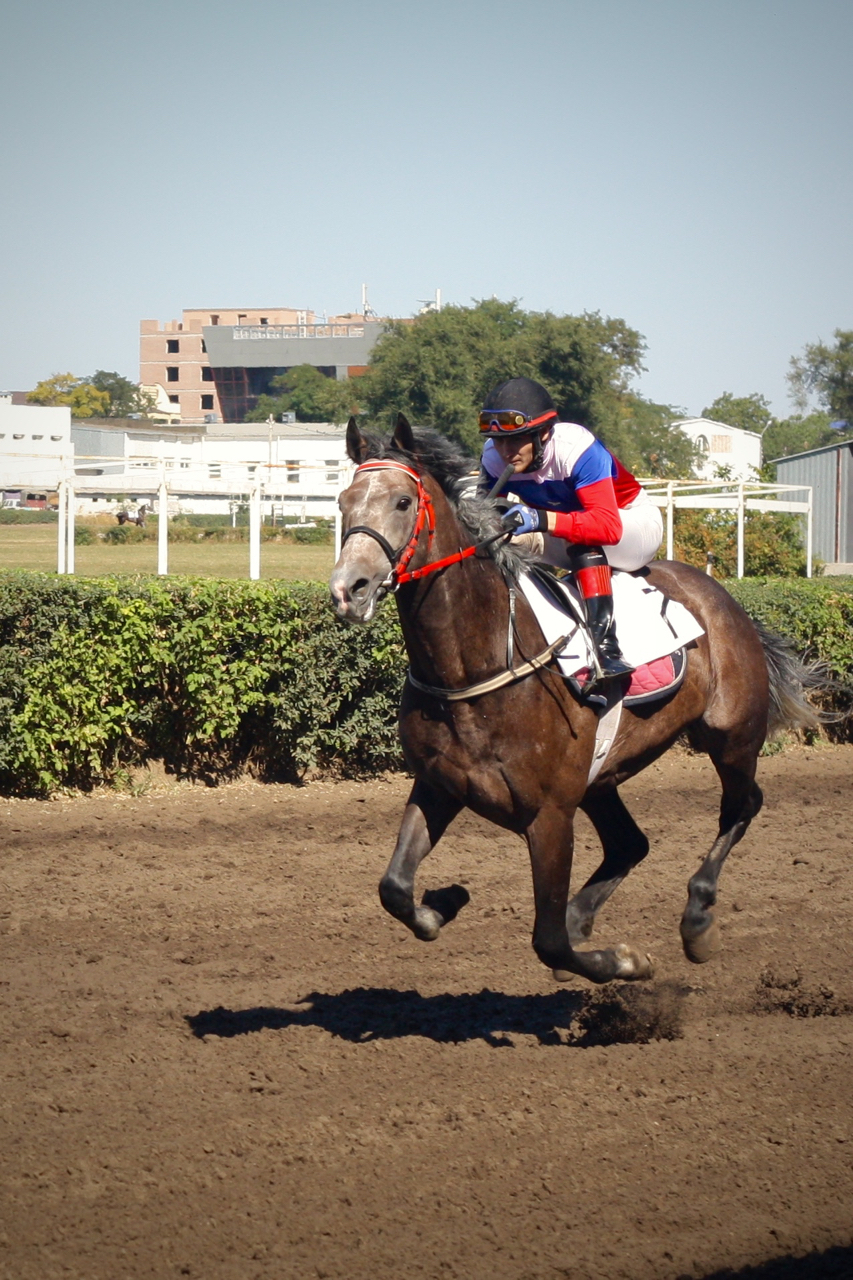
<point>262,483</point>
<point>732,495</point>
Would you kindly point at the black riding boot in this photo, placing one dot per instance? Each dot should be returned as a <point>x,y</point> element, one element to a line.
<point>599,612</point>
<point>592,574</point>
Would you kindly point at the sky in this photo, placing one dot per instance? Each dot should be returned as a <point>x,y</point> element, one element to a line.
<point>683,165</point>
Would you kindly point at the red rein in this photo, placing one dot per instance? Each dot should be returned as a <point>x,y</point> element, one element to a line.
<point>425,516</point>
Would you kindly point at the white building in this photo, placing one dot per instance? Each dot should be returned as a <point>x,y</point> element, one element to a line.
<point>301,467</point>
<point>720,446</point>
<point>33,439</point>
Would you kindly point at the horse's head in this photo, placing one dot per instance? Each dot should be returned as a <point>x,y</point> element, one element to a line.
<point>385,511</point>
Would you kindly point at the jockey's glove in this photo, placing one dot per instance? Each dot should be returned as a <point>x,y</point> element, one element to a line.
<point>522,519</point>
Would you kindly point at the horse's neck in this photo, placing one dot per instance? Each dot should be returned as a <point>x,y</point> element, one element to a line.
<point>455,621</point>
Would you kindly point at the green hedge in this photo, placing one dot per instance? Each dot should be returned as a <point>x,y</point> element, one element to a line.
<point>98,675</point>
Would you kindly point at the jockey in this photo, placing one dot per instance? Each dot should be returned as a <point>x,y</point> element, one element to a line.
<point>589,512</point>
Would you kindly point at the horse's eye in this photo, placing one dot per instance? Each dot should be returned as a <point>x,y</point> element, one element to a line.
<point>404,504</point>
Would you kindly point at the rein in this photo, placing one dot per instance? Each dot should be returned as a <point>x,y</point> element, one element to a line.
<point>400,574</point>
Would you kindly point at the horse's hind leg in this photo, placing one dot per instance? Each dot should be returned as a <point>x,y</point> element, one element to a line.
<point>624,845</point>
<point>741,801</point>
<point>428,815</point>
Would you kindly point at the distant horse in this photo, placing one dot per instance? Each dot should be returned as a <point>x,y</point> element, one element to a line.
<point>516,746</point>
<point>124,517</point>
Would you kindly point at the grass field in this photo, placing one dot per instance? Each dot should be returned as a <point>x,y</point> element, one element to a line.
<point>34,547</point>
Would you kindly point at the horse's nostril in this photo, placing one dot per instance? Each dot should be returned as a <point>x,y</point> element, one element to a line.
<point>359,587</point>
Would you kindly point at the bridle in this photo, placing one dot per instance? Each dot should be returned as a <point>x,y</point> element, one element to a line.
<point>400,574</point>
<point>424,518</point>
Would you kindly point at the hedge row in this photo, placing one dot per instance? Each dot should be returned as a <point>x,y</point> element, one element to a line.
<point>99,675</point>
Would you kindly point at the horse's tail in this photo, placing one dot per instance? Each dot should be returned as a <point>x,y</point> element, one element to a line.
<point>792,684</point>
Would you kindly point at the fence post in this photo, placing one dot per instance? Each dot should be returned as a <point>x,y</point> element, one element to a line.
<point>69,525</point>
<point>670,502</point>
<point>62,534</point>
<point>163,527</point>
<point>809,554</point>
<point>255,533</point>
<point>740,510</point>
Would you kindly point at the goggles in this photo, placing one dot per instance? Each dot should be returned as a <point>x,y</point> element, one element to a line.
<point>507,421</point>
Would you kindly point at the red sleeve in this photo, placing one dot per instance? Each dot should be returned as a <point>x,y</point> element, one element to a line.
<point>599,522</point>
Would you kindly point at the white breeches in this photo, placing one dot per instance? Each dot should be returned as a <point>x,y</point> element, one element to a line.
<point>642,534</point>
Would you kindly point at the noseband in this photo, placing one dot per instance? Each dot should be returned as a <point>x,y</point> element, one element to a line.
<point>425,516</point>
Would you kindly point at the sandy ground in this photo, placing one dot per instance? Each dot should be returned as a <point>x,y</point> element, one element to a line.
<point>221,1059</point>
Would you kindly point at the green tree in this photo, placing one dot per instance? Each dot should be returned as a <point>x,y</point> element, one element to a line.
<point>310,394</point>
<point>825,372</point>
<point>748,413</point>
<point>654,446</point>
<point>438,367</point>
<point>799,433</point>
<point>126,398</point>
<point>84,399</point>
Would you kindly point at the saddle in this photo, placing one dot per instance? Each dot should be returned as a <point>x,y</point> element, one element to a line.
<point>653,631</point>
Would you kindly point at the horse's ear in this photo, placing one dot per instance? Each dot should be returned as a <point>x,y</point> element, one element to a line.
<point>403,438</point>
<point>357,446</point>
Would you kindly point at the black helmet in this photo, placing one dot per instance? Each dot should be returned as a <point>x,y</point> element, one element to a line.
<point>519,406</point>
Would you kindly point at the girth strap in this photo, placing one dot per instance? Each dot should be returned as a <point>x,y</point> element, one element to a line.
<point>497,682</point>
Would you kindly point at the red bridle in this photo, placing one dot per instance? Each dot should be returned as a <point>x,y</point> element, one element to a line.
<point>425,517</point>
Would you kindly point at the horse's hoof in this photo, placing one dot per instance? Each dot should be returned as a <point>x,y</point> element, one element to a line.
<point>703,946</point>
<point>562,975</point>
<point>631,966</point>
<point>427,924</point>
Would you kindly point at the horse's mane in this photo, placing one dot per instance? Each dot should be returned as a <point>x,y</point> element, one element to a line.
<point>451,467</point>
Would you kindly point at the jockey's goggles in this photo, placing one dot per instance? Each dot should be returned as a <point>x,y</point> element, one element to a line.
<point>499,422</point>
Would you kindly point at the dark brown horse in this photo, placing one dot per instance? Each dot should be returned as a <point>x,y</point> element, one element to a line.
<point>520,754</point>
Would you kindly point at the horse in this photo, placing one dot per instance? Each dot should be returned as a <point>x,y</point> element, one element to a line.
<point>124,517</point>
<point>515,745</point>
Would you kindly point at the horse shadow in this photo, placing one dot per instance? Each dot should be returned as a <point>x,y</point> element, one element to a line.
<point>381,1013</point>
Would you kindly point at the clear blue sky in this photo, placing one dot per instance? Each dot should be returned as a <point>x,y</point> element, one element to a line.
<point>683,165</point>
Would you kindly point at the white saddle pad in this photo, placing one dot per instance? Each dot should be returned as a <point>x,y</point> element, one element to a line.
<point>648,624</point>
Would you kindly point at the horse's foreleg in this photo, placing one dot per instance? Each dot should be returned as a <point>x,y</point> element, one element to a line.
<point>624,845</point>
<point>742,799</point>
<point>427,816</point>
<point>550,839</point>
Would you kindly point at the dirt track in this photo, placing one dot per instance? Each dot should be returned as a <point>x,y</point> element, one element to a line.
<point>221,1059</point>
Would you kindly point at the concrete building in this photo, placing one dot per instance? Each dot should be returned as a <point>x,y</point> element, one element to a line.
<point>33,438</point>
<point>721,446</point>
<point>211,366</point>
<point>829,471</point>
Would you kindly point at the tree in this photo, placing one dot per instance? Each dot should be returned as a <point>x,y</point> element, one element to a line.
<point>310,394</point>
<point>748,413</point>
<point>84,399</point>
<point>439,367</point>
<point>827,373</point>
<point>126,398</point>
<point>799,433</point>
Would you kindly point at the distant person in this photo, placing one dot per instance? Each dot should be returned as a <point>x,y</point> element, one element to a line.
<point>590,511</point>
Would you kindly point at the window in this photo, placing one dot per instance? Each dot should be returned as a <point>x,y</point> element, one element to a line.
<point>18,437</point>
<point>174,399</point>
<point>264,320</point>
<point>702,444</point>
<point>38,437</point>
<point>204,346</point>
<point>214,319</point>
<point>56,437</point>
<point>185,464</point>
<point>214,470</point>
<point>206,373</point>
<point>253,466</point>
<point>241,317</point>
<point>331,470</point>
<point>207,402</point>
<point>172,374</point>
<point>721,444</point>
<point>292,472</point>
<point>173,346</point>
